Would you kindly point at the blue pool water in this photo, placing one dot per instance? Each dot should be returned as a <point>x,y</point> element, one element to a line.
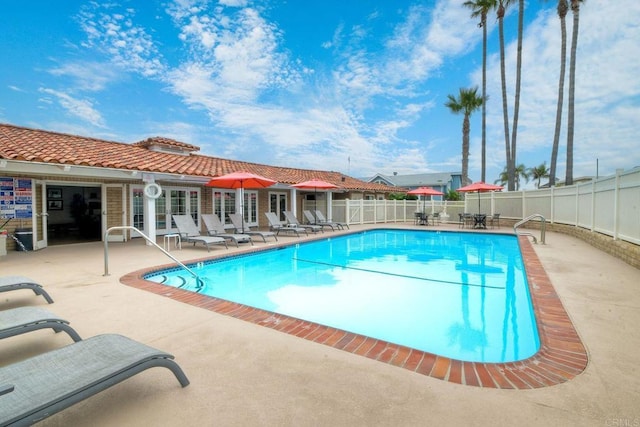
<point>459,295</point>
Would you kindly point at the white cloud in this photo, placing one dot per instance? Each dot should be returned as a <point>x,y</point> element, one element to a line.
<point>80,108</point>
<point>87,76</point>
<point>127,45</point>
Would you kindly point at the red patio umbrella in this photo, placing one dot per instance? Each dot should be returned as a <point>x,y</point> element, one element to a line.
<point>425,191</point>
<point>479,187</point>
<point>240,180</point>
<point>315,184</point>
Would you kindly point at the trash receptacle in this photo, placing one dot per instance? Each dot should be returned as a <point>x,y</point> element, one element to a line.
<point>24,236</point>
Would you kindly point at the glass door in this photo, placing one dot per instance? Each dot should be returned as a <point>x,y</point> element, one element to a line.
<point>172,201</point>
<point>278,204</point>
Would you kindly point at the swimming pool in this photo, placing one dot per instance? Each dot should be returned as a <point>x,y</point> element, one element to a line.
<point>459,295</point>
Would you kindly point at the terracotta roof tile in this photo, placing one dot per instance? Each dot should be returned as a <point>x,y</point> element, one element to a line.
<point>20,143</point>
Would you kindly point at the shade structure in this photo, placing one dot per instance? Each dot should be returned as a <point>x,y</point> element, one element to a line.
<point>240,180</point>
<point>479,187</point>
<point>315,184</point>
<point>425,191</point>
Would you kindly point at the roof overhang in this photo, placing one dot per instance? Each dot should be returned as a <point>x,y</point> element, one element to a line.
<point>81,171</point>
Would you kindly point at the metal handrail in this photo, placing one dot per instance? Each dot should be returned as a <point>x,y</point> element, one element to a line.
<point>543,227</point>
<point>130,227</point>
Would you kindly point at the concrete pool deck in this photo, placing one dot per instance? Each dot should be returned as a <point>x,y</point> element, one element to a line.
<point>245,374</point>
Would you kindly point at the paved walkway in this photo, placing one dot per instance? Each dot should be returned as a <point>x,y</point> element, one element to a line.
<point>244,374</point>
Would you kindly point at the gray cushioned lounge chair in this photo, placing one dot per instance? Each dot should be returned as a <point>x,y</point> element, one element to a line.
<point>21,320</point>
<point>12,283</point>
<point>313,220</point>
<point>240,227</point>
<point>322,219</point>
<point>277,225</point>
<point>190,233</point>
<point>292,221</point>
<point>215,227</point>
<point>36,388</point>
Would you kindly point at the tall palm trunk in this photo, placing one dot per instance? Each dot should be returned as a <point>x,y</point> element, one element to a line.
<point>466,130</point>
<point>563,8</point>
<point>505,108</point>
<point>483,22</point>
<point>575,8</point>
<point>516,105</point>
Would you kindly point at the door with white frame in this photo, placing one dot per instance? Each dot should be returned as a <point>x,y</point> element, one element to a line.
<point>278,202</point>
<point>172,201</point>
<point>225,202</point>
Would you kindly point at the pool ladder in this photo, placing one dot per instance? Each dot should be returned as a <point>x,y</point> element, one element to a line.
<point>543,226</point>
<point>130,227</point>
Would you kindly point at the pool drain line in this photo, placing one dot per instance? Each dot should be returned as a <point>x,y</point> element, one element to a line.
<point>426,279</point>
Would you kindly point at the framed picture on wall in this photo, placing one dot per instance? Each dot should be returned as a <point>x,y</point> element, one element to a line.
<point>54,193</point>
<point>54,205</point>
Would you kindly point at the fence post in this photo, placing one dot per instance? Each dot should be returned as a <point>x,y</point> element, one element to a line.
<point>616,207</point>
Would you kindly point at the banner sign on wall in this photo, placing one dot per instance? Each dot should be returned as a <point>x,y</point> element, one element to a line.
<point>16,198</point>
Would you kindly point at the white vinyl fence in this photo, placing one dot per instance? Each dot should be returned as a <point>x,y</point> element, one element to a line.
<point>608,205</point>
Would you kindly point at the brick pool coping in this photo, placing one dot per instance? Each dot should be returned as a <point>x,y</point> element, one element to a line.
<point>561,356</point>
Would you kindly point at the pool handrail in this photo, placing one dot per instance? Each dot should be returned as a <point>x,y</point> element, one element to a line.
<point>543,226</point>
<point>130,227</point>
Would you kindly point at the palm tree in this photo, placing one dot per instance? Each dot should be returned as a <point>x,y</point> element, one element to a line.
<point>539,172</point>
<point>502,4</point>
<point>519,172</point>
<point>516,103</point>
<point>480,8</point>
<point>575,8</point>
<point>467,102</point>
<point>563,9</point>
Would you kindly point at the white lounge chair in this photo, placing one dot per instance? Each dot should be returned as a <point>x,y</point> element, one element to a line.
<point>277,225</point>
<point>21,320</point>
<point>240,227</point>
<point>12,283</point>
<point>215,227</point>
<point>189,232</point>
<point>36,388</point>
<point>322,219</point>
<point>293,222</point>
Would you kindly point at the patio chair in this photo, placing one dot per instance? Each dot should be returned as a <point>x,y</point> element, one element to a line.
<point>12,283</point>
<point>313,220</point>
<point>322,219</point>
<point>276,225</point>
<point>240,227</point>
<point>215,227</point>
<point>292,221</point>
<point>466,220</point>
<point>21,320</point>
<point>36,388</point>
<point>493,220</point>
<point>435,218</point>
<point>190,233</point>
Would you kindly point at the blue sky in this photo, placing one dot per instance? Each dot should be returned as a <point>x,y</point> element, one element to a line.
<point>352,86</point>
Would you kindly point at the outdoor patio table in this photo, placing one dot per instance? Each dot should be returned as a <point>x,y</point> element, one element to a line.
<point>480,221</point>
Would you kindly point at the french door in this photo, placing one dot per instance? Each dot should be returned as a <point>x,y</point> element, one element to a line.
<point>278,204</point>
<point>172,201</point>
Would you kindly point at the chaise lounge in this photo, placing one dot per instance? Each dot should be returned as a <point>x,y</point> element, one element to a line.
<point>12,283</point>
<point>292,221</point>
<point>36,388</point>
<point>21,320</point>
<point>313,220</point>
<point>323,220</point>
<point>190,233</point>
<point>277,225</point>
<point>240,227</point>
<point>215,227</point>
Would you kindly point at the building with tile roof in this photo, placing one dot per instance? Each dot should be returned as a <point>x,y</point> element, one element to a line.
<point>441,181</point>
<point>47,177</point>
